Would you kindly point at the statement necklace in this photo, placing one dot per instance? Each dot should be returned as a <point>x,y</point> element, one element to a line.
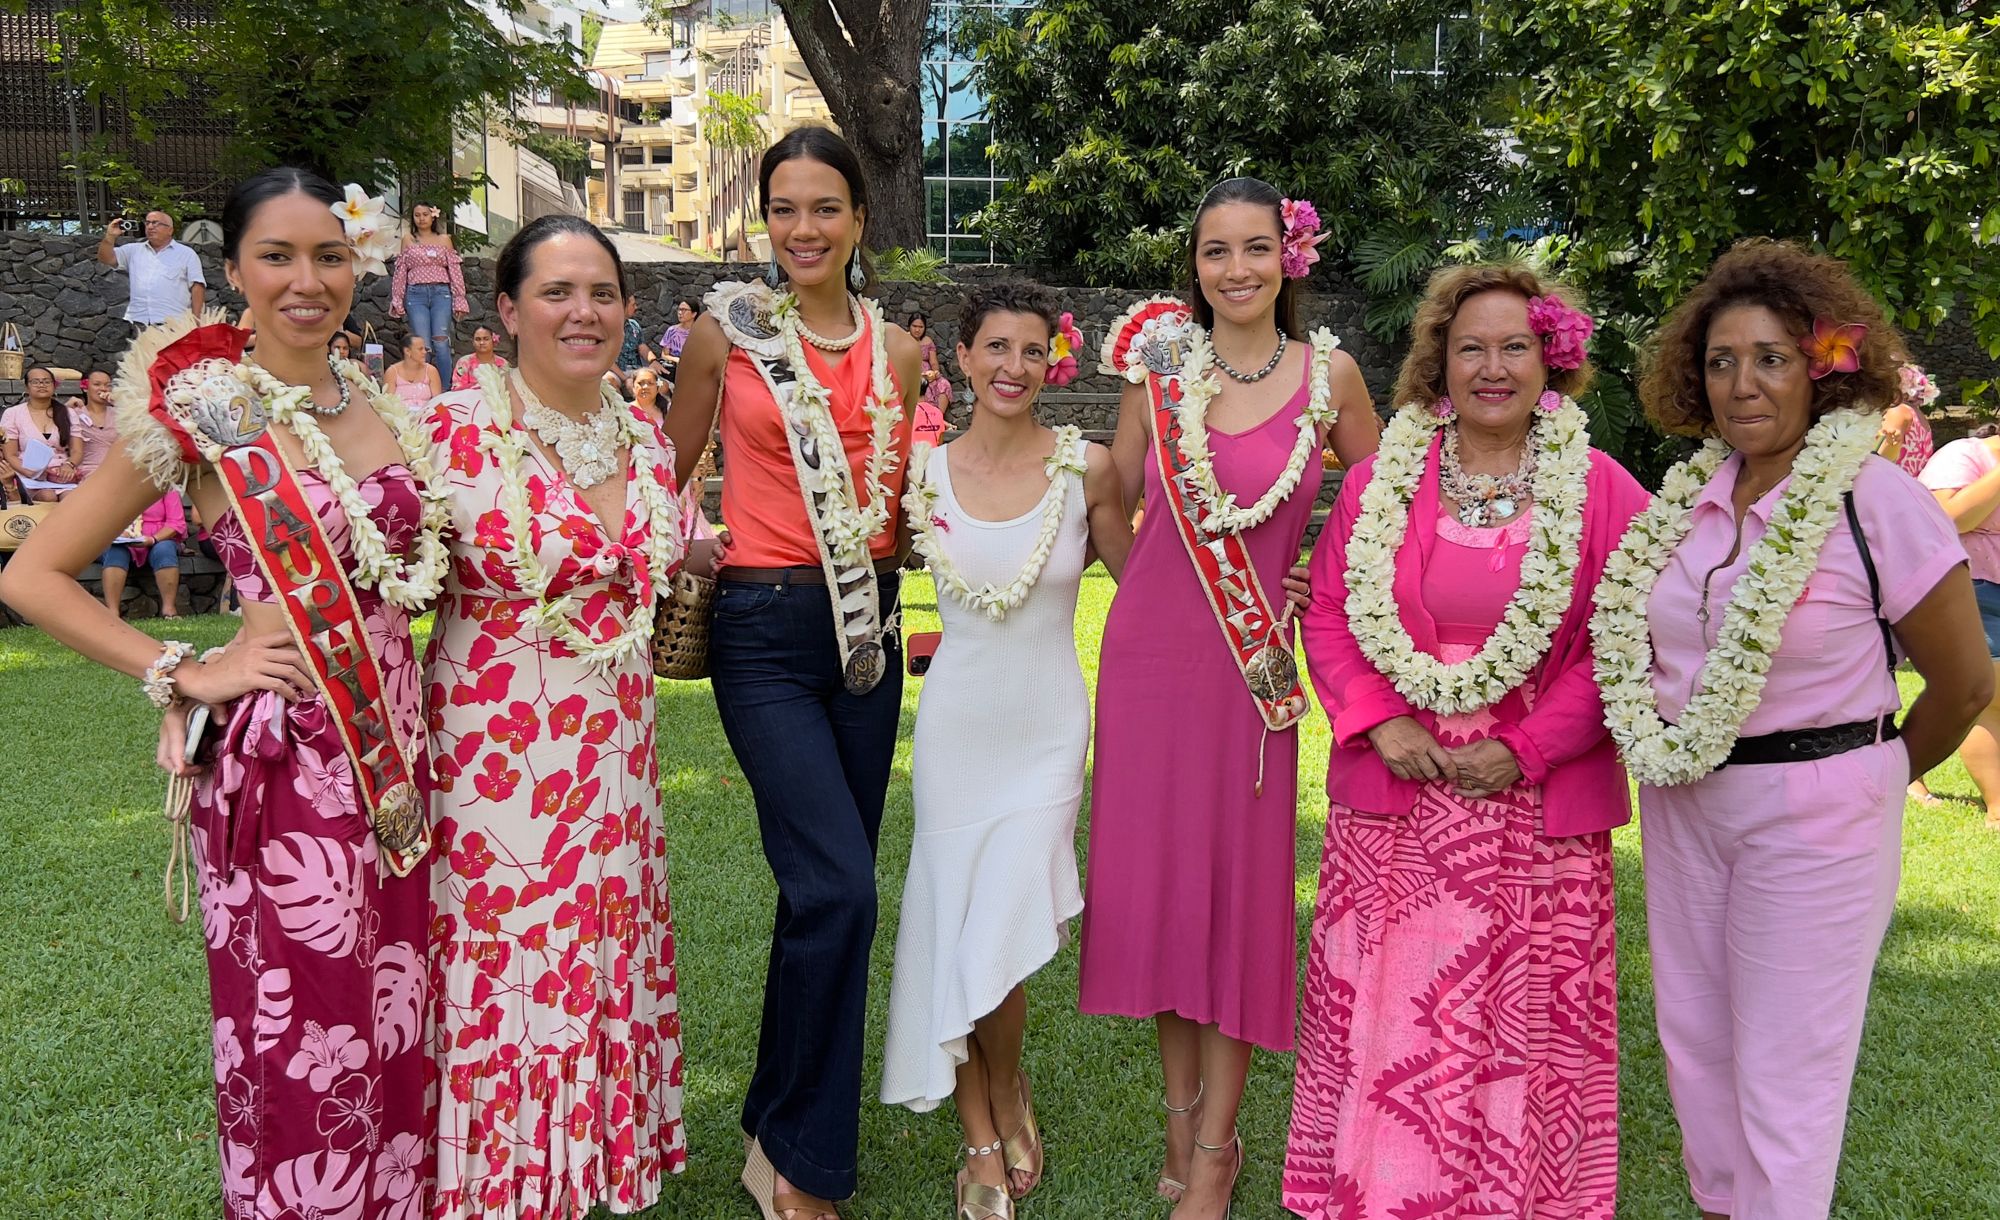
<point>994,601</point>
<point>1730,684</point>
<point>1270,366</point>
<point>664,547</point>
<point>1559,447</point>
<point>588,447</point>
<point>833,345</point>
<point>1199,388</point>
<point>346,395</point>
<point>1483,499</point>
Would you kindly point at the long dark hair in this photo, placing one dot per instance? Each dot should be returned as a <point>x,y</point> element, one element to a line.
<point>259,189</point>
<point>824,146</point>
<point>58,410</point>
<point>512,265</point>
<point>1240,190</point>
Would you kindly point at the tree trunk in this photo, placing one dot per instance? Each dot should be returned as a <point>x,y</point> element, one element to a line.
<point>874,98</point>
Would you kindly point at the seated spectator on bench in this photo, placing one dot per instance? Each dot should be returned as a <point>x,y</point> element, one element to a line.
<point>90,417</point>
<point>37,443</point>
<point>162,527</point>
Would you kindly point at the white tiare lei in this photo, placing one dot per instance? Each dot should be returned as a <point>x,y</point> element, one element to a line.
<point>406,582</point>
<point>1548,569</point>
<point>921,498</point>
<point>848,525</point>
<point>665,544</point>
<point>1199,388</point>
<point>1731,681</point>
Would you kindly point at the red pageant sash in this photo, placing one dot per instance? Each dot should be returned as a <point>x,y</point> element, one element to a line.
<point>1258,638</point>
<point>326,622</point>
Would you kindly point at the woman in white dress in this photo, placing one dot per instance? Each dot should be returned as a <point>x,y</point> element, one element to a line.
<point>1007,516</point>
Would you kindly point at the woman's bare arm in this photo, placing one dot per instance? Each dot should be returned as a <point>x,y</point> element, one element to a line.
<point>697,395</point>
<point>1947,645</point>
<point>1130,443</point>
<point>1110,525</point>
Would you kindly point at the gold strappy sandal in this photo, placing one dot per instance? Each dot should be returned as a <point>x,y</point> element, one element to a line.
<point>977,1200</point>
<point>1171,1188</point>
<point>1023,1149</point>
<point>760,1178</point>
<point>1236,1142</point>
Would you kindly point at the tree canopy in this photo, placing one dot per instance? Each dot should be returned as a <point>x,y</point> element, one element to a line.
<point>366,90</point>
<point>1113,116</point>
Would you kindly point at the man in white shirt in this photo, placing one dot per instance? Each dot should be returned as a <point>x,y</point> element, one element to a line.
<point>166,276</point>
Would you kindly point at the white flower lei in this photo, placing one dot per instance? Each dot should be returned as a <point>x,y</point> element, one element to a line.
<point>1199,388</point>
<point>921,497</point>
<point>664,545</point>
<point>1548,570</point>
<point>850,527</point>
<point>1731,683</point>
<point>405,582</point>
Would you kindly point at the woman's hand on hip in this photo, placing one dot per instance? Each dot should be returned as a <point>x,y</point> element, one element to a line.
<point>250,663</point>
<point>1407,748</point>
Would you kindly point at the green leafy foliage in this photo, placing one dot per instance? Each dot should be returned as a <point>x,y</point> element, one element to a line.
<point>1112,117</point>
<point>920,266</point>
<point>371,91</point>
<point>1672,129</point>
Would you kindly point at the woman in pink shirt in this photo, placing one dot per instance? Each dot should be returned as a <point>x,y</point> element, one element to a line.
<point>1773,834</point>
<point>1965,478</point>
<point>1458,1046</point>
<point>428,284</point>
<point>159,530</point>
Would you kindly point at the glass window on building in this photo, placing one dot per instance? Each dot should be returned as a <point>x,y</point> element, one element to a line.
<point>959,177</point>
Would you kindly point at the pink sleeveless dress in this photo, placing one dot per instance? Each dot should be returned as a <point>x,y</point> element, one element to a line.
<point>1188,890</point>
<point>316,953</point>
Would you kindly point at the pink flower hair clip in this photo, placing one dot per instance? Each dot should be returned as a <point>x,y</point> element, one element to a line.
<point>1564,331</point>
<point>1065,352</point>
<point>1302,238</point>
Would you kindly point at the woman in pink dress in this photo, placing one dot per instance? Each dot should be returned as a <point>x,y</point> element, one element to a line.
<point>1459,1040</point>
<point>465,374</point>
<point>1773,821</point>
<point>313,907</point>
<point>558,1033</point>
<point>937,387</point>
<point>1188,917</point>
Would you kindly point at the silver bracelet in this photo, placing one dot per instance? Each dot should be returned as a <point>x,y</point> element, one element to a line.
<point>159,680</point>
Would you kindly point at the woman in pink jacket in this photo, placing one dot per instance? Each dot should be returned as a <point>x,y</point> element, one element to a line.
<point>1458,1048</point>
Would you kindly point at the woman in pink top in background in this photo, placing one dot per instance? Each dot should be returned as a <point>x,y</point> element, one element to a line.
<point>1458,1046</point>
<point>1965,478</point>
<point>429,285</point>
<point>1770,880</point>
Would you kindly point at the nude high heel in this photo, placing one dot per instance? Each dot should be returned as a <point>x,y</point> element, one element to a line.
<point>1170,1188</point>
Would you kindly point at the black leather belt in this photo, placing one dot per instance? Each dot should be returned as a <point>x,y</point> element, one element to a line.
<point>794,576</point>
<point>1807,745</point>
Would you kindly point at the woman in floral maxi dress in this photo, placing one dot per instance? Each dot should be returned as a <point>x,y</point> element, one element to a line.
<point>315,947</point>
<point>558,1032</point>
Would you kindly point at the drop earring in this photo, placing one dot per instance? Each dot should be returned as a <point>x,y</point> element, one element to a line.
<point>771,275</point>
<point>856,278</point>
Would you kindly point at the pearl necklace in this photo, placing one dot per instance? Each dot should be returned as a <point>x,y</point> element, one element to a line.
<point>1484,499</point>
<point>346,394</point>
<point>833,345</point>
<point>588,447</point>
<point>1270,366</point>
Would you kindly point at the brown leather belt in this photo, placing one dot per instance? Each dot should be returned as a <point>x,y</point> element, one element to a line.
<point>793,576</point>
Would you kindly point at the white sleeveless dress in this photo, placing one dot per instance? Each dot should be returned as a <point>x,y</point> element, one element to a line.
<point>1002,728</point>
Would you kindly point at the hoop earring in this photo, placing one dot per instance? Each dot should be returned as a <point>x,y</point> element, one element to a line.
<point>771,275</point>
<point>857,279</point>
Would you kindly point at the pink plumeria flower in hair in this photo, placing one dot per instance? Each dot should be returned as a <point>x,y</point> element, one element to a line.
<point>1833,347</point>
<point>1564,331</point>
<point>1302,238</point>
<point>1065,348</point>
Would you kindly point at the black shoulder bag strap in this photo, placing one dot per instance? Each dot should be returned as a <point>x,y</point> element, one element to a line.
<point>1874,583</point>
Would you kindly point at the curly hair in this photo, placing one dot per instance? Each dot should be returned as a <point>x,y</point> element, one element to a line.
<point>1798,286</point>
<point>1007,296</point>
<point>1422,378</point>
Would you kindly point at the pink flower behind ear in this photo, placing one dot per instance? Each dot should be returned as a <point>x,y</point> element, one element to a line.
<point>1301,239</point>
<point>1564,330</point>
<point>1833,347</point>
<point>1065,349</point>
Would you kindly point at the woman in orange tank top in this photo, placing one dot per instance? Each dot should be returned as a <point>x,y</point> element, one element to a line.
<point>804,650</point>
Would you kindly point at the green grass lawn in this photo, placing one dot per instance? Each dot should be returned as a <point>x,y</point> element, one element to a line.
<point>105,1084</point>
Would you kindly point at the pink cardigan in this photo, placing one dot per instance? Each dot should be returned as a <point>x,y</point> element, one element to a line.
<point>1562,744</point>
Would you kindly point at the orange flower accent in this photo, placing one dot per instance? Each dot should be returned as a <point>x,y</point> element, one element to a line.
<point>1833,347</point>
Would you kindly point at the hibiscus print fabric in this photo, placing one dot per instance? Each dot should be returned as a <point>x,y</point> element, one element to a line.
<point>557,1030</point>
<point>315,951</point>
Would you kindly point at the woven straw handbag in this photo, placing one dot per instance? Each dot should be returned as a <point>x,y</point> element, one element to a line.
<point>680,628</point>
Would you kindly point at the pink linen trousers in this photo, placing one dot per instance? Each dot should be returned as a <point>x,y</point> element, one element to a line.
<point>1769,887</point>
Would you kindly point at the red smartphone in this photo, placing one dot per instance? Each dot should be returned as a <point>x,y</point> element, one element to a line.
<point>919,649</point>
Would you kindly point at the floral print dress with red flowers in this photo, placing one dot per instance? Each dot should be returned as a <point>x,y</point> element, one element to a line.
<point>557,1034</point>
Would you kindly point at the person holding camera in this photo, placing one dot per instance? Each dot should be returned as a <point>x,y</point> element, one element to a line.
<point>166,275</point>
